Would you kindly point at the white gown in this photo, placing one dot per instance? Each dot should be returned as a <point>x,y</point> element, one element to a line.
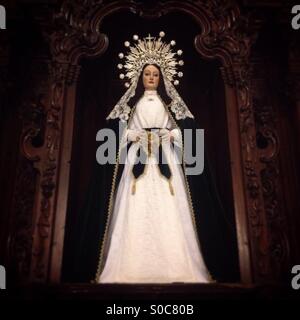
<point>151,234</point>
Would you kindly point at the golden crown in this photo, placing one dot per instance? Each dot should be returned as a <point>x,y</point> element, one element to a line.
<point>150,51</point>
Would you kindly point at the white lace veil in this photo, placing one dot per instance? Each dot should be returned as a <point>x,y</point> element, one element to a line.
<point>122,110</point>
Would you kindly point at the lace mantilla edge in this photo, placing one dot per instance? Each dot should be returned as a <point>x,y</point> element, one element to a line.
<point>123,112</point>
<point>177,105</point>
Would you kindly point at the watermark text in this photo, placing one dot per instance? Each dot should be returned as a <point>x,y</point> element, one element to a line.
<point>296,18</point>
<point>2,18</point>
<point>2,278</point>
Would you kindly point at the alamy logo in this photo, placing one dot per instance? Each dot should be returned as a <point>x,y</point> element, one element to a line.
<point>296,279</point>
<point>2,17</point>
<point>2,278</point>
<point>296,19</point>
<point>193,149</point>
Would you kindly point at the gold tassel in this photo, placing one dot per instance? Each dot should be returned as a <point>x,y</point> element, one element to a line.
<point>171,188</point>
<point>133,187</point>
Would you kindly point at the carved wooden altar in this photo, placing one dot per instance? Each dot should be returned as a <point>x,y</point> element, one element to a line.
<point>266,239</point>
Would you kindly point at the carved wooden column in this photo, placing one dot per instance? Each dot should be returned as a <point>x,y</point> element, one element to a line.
<point>294,79</point>
<point>292,142</point>
<point>23,215</point>
<point>63,97</point>
<point>238,180</point>
<point>253,219</point>
<point>67,48</point>
<point>266,111</point>
<point>42,170</point>
<point>53,166</point>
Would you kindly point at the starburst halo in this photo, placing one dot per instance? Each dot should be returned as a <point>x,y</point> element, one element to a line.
<point>150,51</point>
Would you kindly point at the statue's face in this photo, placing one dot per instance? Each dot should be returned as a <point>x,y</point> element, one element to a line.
<point>151,77</point>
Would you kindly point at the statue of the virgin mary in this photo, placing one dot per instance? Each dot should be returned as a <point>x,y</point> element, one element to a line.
<point>146,220</point>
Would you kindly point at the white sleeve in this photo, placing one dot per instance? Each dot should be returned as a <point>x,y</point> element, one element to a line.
<point>129,135</point>
<point>176,134</point>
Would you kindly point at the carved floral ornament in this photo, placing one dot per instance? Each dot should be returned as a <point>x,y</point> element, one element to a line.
<point>222,26</point>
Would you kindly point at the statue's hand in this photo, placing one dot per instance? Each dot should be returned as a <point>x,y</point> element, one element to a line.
<point>134,135</point>
<point>166,136</point>
<point>149,142</point>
